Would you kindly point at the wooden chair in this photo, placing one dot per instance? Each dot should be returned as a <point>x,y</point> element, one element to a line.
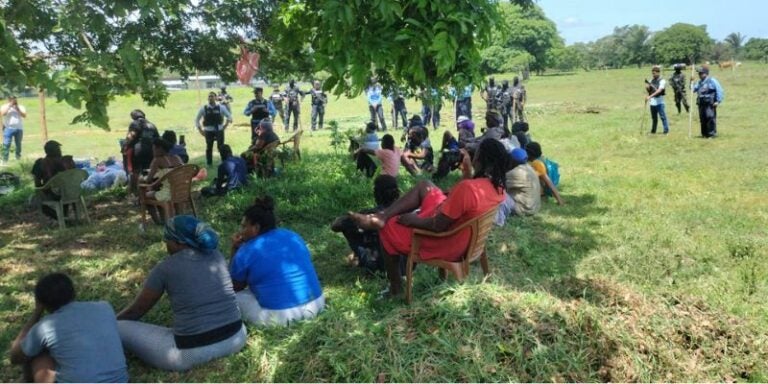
<point>66,185</point>
<point>180,182</point>
<point>480,227</point>
<point>264,160</point>
<point>295,138</point>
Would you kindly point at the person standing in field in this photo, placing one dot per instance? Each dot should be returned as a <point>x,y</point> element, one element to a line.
<point>375,107</point>
<point>656,89</point>
<point>677,80</point>
<point>258,110</point>
<point>319,100</point>
<point>13,127</point>
<point>490,95</point>
<point>277,98</point>
<point>292,94</point>
<point>710,96</point>
<point>505,102</point>
<point>212,125</point>
<point>519,98</point>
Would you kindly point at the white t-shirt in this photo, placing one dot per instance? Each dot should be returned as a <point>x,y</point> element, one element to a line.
<point>12,118</point>
<point>658,99</point>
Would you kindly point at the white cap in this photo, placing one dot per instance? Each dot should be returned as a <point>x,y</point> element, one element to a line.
<point>462,119</point>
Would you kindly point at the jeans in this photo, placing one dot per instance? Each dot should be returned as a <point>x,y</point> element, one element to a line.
<point>156,346</point>
<point>210,137</point>
<point>318,110</point>
<point>17,134</point>
<point>400,114</point>
<point>656,112</point>
<point>378,111</point>
<point>255,314</point>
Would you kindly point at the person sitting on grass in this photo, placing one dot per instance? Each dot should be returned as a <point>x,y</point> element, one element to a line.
<point>76,342</point>
<point>46,168</point>
<point>367,145</point>
<point>418,147</point>
<point>523,189</point>
<point>272,271</point>
<point>468,199</point>
<point>254,155</point>
<point>388,155</point>
<point>232,174</point>
<point>206,320</point>
<point>178,149</point>
<point>365,243</point>
<point>533,149</point>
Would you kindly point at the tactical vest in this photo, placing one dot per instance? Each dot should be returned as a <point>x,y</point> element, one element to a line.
<point>212,116</point>
<point>492,93</point>
<point>260,109</point>
<point>318,97</point>
<point>277,100</point>
<point>707,93</point>
<point>518,93</point>
<point>505,97</point>
<point>678,82</point>
<point>656,83</point>
<point>293,95</point>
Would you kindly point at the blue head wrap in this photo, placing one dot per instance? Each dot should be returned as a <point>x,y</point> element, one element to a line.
<point>189,230</point>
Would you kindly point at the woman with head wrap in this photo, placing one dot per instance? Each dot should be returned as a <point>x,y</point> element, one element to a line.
<point>206,320</point>
<point>272,270</point>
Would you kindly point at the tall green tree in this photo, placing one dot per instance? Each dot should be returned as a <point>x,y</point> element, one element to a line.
<point>86,52</point>
<point>528,29</point>
<point>680,43</point>
<point>631,43</point>
<point>735,40</point>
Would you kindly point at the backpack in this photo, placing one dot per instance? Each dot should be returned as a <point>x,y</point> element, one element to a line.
<point>553,172</point>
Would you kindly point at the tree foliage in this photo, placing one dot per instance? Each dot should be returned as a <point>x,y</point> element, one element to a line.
<point>405,43</point>
<point>756,49</point>
<point>681,43</point>
<point>736,41</point>
<point>86,52</point>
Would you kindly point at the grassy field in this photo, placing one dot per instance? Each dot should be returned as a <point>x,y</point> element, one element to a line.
<point>654,270</point>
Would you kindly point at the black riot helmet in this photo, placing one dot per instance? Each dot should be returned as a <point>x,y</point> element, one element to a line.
<point>491,82</point>
<point>505,84</point>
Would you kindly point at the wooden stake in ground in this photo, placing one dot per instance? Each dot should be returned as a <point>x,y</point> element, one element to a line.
<point>43,121</point>
<point>197,81</point>
<point>690,104</point>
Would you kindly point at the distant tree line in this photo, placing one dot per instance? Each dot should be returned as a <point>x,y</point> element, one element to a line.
<point>529,40</point>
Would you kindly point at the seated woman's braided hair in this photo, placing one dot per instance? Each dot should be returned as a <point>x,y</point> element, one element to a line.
<point>492,159</point>
<point>262,212</point>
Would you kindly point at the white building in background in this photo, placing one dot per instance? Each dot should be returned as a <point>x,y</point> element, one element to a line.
<point>206,82</point>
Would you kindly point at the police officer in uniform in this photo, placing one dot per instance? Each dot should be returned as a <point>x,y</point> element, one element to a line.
<point>490,95</point>
<point>710,96</point>
<point>505,102</point>
<point>677,80</point>
<point>319,100</point>
<point>399,111</point>
<point>258,110</point>
<point>463,101</point>
<point>375,100</point>
<point>292,94</point>
<point>519,97</point>
<point>212,125</point>
<point>277,99</point>
<point>225,98</point>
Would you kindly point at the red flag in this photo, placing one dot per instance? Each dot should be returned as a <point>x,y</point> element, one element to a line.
<point>247,66</point>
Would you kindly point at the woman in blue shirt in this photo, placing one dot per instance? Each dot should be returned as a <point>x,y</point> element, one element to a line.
<point>274,264</point>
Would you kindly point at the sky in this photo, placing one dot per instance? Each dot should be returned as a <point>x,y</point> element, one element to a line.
<point>588,20</point>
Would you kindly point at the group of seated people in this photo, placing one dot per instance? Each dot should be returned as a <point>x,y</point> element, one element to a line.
<point>510,161</point>
<point>417,155</point>
<point>270,280</point>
